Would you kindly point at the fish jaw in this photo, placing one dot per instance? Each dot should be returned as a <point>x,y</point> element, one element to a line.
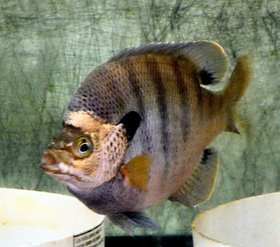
<point>49,162</point>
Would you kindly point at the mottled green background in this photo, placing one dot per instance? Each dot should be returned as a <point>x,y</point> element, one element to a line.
<point>48,47</point>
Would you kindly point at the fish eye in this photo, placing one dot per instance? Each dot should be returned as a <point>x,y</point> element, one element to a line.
<point>82,147</point>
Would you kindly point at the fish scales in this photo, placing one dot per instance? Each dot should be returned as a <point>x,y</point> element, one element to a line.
<point>148,139</point>
<point>173,119</point>
<point>149,77</point>
<point>175,122</point>
<point>157,71</point>
<point>135,78</point>
<point>144,73</point>
<point>106,93</point>
<point>137,130</point>
<point>157,76</point>
<point>153,66</point>
<point>183,117</point>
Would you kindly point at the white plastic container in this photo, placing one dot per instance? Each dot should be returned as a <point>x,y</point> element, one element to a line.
<point>40,219</point>
<point>254,221</point>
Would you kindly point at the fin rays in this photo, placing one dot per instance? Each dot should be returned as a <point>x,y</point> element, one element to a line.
<point>128,221</point>
<point>200,186</point>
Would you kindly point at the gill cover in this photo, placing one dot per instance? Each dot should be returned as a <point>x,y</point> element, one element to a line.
<point>110,147</point>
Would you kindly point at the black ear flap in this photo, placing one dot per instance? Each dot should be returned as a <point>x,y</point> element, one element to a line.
<point>131,122</point>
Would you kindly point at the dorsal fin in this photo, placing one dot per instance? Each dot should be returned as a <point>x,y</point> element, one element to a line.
<point>208,56</point>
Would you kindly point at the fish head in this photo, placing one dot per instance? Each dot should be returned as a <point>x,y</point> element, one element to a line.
<point>85,156</point>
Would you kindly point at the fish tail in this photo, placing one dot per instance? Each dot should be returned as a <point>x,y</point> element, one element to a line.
<point>239,80</point>
<point>235,89</point>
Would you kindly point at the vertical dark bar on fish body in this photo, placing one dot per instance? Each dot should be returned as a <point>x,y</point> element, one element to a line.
<point>114,101</point>
<point>182,90</point>
<point>132,79</point>
<point>154,70</point>
<point>128,66</point>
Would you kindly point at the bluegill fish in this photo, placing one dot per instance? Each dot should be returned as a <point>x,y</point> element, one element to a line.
<point>137,130</point>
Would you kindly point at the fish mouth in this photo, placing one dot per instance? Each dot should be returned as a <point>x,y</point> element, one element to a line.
<point>49,168</point>
<point>49,163</point>
<point>55,167</point>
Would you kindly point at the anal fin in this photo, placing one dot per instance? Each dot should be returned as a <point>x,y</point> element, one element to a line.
<point>200,186</point>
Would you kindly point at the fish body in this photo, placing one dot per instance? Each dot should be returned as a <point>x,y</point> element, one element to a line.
<point>137,130</point>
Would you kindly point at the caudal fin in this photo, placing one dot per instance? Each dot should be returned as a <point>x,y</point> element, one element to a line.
<point>239,80</point>
<point>236,87</point>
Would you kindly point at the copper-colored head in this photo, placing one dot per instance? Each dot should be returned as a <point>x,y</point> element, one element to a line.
<point>85,157</point>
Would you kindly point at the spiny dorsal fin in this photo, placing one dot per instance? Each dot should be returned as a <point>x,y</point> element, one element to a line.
<point>200,186</point>
<point>136,171</point>
<point>208,56</point>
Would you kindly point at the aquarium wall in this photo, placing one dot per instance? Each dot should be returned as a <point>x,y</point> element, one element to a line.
<point>47,48</point>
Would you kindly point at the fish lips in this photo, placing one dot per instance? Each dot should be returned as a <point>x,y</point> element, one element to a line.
<point>49,163</point>
<point>53,166</point>
<point>49,168</point>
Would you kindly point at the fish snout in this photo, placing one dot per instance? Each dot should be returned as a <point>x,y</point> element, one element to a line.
<point>49,162</point>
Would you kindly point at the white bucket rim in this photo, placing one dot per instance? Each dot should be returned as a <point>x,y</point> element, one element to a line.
<point>33,194</point>
<point>232,203</point>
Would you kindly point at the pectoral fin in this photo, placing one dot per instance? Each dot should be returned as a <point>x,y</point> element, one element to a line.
<point>136,171</point>
<point>200,186</point>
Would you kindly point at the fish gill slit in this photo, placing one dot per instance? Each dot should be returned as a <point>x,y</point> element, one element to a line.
<point>154,71</point>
